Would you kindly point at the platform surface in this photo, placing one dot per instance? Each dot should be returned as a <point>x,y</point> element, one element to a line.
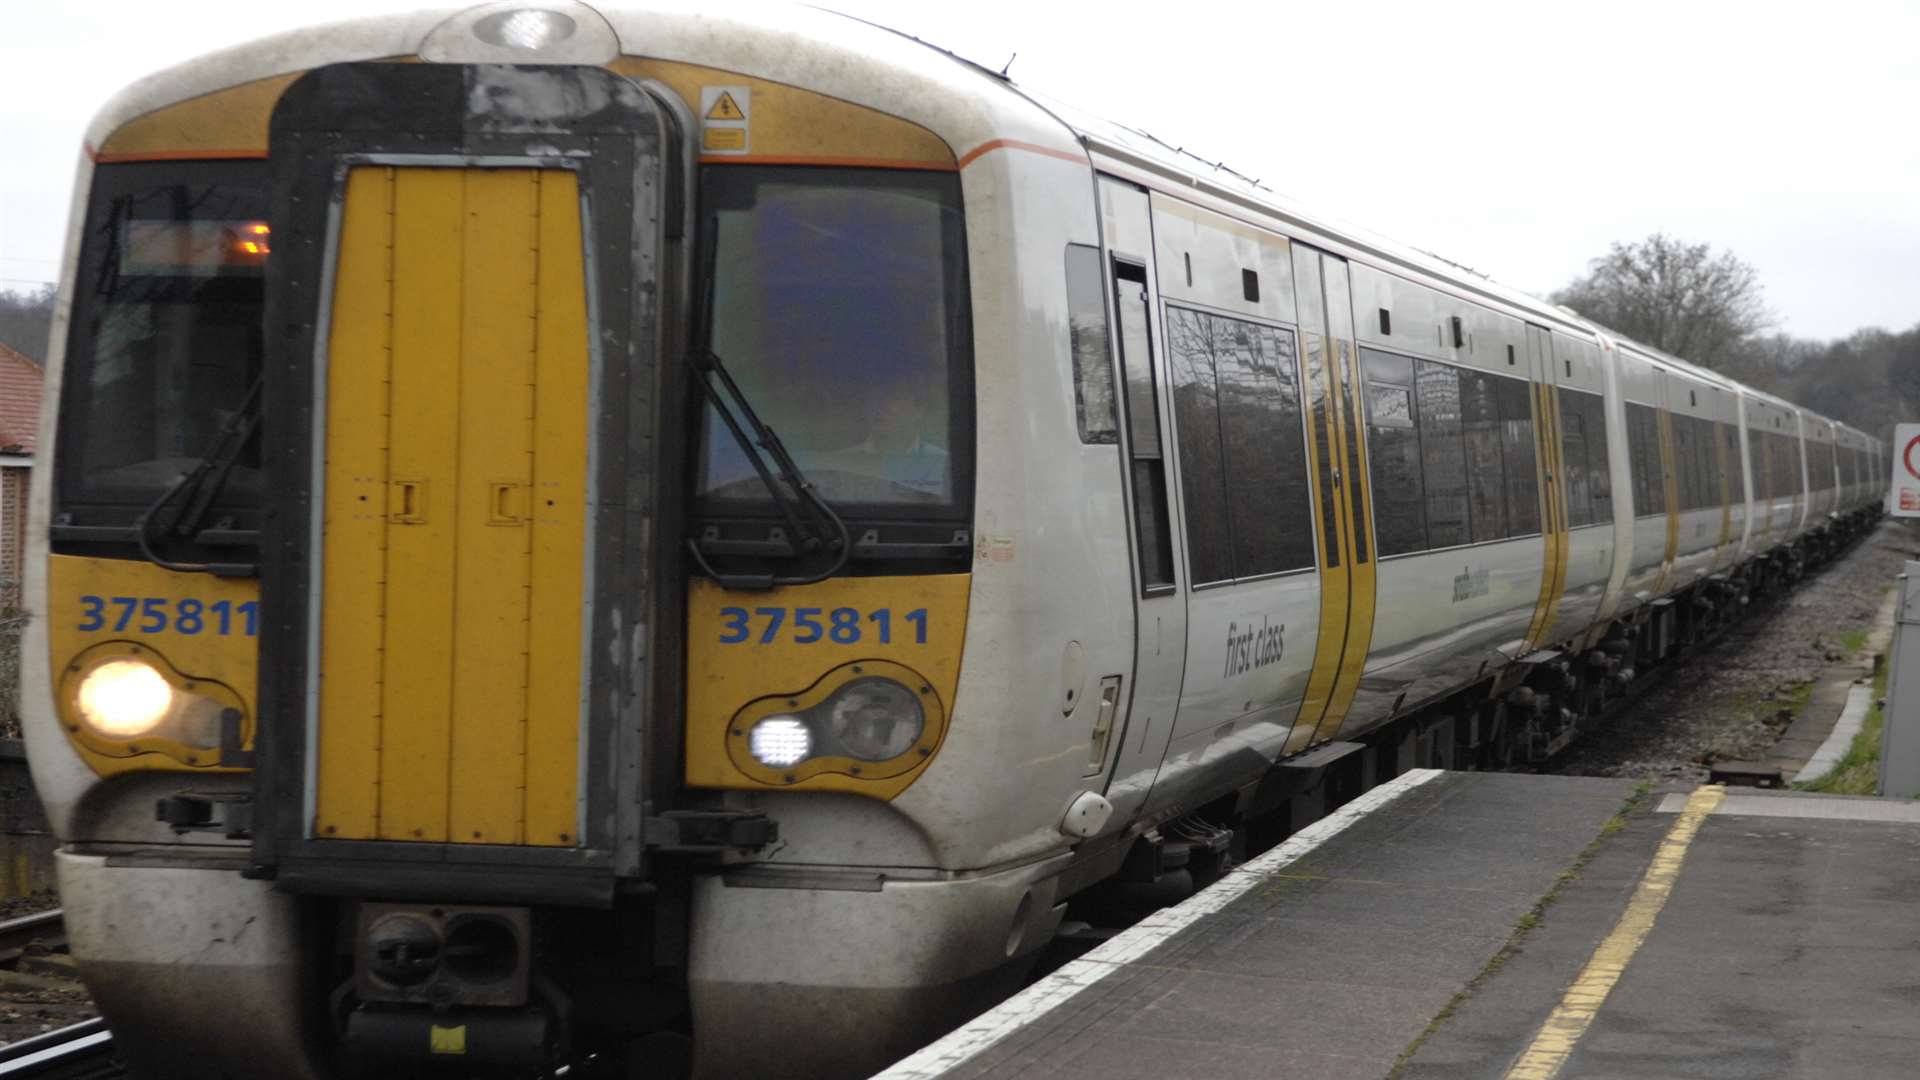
<point>1433,928</point>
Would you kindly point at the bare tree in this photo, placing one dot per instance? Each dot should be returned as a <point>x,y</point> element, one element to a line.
<point>26,318</point>
<point>1673,295</point>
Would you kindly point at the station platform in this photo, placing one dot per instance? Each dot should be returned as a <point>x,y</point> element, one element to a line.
<point>1464,925</point>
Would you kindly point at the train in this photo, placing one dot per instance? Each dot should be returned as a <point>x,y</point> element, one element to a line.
<point>679,541</point>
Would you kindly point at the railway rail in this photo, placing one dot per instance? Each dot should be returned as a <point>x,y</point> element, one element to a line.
<point>81,1050</point>
<point>19,934</point>
<point>78,1052</point>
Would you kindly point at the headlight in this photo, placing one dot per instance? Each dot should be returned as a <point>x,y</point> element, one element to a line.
<point>780,741</point>
<point>119,699</point>
<point>124,699</point>
<point>875,719</point>
<point>868,721</point>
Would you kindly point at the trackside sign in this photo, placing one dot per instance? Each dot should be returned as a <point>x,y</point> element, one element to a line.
<point>1905,500</point>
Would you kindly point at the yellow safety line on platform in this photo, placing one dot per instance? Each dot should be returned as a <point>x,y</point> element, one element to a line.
<point>1555,1040</point>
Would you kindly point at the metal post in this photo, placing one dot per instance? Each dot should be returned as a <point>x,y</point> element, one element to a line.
<point>1900,737</point>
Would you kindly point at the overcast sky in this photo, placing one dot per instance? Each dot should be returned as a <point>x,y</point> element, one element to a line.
<point>1517,138</point>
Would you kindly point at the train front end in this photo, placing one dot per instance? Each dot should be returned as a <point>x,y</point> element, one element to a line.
<point>492,471</point>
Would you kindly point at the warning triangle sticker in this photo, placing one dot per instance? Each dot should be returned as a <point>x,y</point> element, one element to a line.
<point>725,109</point>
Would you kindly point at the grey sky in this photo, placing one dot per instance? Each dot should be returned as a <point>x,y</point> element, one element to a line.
<point>1518,138</point>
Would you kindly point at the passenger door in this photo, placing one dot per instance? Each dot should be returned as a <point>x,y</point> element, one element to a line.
<point>1329,364</point>
<point>462,486</point>
<point>1160,611</point>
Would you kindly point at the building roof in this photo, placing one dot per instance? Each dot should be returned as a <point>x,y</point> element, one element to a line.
<point>20,380</point>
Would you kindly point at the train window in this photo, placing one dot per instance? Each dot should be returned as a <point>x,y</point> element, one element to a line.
<point>1094,407</point>
<point>874,398</point>
<point>1573,455</point>
<point>165,335</point>
<point>1196,422</point>
<point>1149,468</point>
<point>1736,467</point>
<point>1788,482</point>
<point>1242,461</point>
<point>1593,410</point>
<point>1643,450</point>
<point>1686,446</point>
<point>1518,452</point>
<point>1443,456</point>
<point>1393,448</point>
<point>1486,474</point>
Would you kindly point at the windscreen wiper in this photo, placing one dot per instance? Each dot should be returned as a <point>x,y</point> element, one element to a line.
<point>816,525</point>
<point>193,494</point>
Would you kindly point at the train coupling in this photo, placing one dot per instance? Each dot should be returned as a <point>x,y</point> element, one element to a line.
<point>447,984</point>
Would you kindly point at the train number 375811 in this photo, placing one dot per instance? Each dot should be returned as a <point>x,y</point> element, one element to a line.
<point>808,625</point>
<point>159,614</point>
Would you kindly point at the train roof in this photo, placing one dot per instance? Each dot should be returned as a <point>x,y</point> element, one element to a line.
<point>826,50</point>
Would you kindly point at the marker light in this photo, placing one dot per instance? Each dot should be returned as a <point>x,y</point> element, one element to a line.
<point>123,699</point>
<point>875,719</point>
<point>780,741</point>
<point>524,29</point>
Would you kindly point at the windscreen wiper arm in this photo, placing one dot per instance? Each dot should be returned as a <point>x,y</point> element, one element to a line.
<point>815,523</point>
<point>193,494</point>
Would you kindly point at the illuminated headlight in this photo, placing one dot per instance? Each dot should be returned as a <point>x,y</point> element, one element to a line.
<point>524,29</point>
<point>124,699</point>
<point>875,719</point>
<point>780,741</point>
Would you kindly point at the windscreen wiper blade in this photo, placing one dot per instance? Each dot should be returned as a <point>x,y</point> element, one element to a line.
<point>814,522</point>
<point>193,494</point>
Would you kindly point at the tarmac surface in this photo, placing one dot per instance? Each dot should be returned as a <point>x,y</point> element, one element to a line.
<point>1456,925</point>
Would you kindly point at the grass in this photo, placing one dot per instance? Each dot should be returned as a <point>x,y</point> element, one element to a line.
<point>1526,925</point>
<point>1853,641</point>
<point>1858,772</point>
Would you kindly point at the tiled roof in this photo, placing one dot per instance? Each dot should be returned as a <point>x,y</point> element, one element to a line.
<point>20,381</point>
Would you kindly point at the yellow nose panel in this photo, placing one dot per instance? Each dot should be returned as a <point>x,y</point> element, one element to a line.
<point>454,540</point>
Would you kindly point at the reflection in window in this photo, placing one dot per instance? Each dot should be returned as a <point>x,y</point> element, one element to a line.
<point>1443,455</point>
<point>1242,458</point>
<point>1486,479</point>
<point>1517,450</point>
<point>1593,409</point>
<point>1451,452</point>
<point>1093,401</point>
<point>839,304</point>
<point>1573,453</point>
<point>1393,447</point>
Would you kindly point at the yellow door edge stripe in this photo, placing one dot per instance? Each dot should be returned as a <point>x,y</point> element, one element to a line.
<point>1345,355</point>
<point>1554,1043</point>
<point>1333,580</point>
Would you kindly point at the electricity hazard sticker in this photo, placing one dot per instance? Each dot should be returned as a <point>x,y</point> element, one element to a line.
<point>726,114</point>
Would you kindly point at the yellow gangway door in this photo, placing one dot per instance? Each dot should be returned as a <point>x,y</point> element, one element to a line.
<point>454,539</point>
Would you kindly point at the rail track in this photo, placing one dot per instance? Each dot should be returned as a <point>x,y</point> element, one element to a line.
<point>82,1050</point>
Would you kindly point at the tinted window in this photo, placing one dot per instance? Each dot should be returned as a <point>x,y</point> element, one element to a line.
<point>1517,448</point>
<point>1196,424</point>
<point>1393,447</point>
<point>1243,466</point>
<point>1486,476</point>
<point>1643,447</point>
<point>1093,403</point>
<point>839,303</point>
<point>1736,466</point>
<point>1599,468</point>
<point>1443,453</point>
<point>1573,452</point>
<point>1151,523</point>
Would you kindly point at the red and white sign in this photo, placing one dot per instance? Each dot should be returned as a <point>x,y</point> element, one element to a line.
<point>1905,501</point>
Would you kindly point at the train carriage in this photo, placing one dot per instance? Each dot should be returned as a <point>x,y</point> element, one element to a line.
<point>659,541</point>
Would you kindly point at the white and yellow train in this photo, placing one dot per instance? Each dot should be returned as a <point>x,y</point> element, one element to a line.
<point>678,539</point>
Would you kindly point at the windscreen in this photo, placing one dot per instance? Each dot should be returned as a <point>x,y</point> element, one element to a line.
<point>838,302</point>
<point>165,337</point>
